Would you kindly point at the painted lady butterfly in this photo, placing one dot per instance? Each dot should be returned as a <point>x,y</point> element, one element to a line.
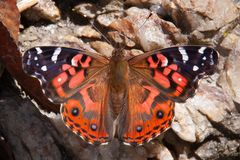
<point>132,98</point>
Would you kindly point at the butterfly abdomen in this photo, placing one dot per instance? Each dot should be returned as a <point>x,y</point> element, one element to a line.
<point>119,74</point>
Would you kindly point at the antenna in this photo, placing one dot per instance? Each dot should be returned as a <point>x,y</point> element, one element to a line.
<point>92,24</point>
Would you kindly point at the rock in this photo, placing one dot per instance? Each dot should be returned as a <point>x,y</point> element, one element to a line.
<point>153,32</point>
<point>203,127</point>
<point>72,140</point>
<point>231,124</point>
<point>1,69</point>
<point>149,33</point>
<point>192,118</point>
<point>212,96</point>
<point>229,79</point>
<point>45,9</point>
<point>164,153</point>
<point>208,16</point>
<point>136,52</point>
<point>119,38</point>
<point>142,3</point>
<point>25,4</point>
<point>102,48</point>
<point>10,18</point>
<point>87,31</point>
<point>114,5</point>
<point>29,134</point>
<point>86,9</point>
<point>201,19</point>
<point>107,19</point>
<point>59,34</point>
<point>159,10</point>
<point>185,157</point>
<point>179,146</point>
<point>124,33</point>
<point>232,40</point>
<point>183,124</point>
<point>221,147</point>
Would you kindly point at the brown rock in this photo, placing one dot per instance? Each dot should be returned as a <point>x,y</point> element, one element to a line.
<point>232,40</point>
<point>102,48</point>
<point>45,9</point>
<point>87,31</point>
<point>10,17</point>
<point>229,79</point>
<point>183,124</point>
<point>207,16</point>
<point>114,5</point>
<point>86,9</point>
<point>164,153</point>
<point>222,147</point>
<point>210,103</point>
<point>142,2</point>
<point>119,38</point>
<point>153,32</point>
<point>124,27</point>
<point>107,19</point>
<point>202,20</point>
<point>150,35</point>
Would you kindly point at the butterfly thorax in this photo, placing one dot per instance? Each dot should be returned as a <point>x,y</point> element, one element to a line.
<point>119,73</point>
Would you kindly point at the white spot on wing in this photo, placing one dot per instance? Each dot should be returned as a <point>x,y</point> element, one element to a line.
<point>184,54</point>
<point>127,144</point>
<point>59,79</point>
<point>211,62</point>
<point>165,63</point>
<point>36,58</point>
<point>55,54</point>
<point>103,144</point>
<point>50,100</point>
<point>43,91</point>
<point>44,68</point>
<point>195,68</point>
<point>202,49</point>
<point>39,51</point>
<point>204,58</point>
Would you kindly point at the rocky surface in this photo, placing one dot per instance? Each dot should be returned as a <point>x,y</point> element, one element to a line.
<point>44,9</point>
<point>206,126</point>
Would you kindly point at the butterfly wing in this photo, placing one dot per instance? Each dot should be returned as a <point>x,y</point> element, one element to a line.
<point>176,70</point>
<point>76,79</point>
<point>157,80</point>
<point>87,112</point>
<point>148,113</point>
<point>61,70</point>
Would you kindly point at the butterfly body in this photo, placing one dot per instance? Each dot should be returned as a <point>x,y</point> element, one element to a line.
<point>128,98</point>
<point>118,81</point>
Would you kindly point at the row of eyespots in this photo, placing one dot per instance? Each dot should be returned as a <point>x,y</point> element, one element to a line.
<point>156,130</point>
<point>74,111</point>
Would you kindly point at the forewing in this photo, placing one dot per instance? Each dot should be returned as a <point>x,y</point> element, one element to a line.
<point>148,113</point>
<point>61,71</point>
<point>175,71</point>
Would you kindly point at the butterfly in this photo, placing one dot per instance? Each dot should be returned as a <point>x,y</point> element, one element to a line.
<point>131,98</point>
